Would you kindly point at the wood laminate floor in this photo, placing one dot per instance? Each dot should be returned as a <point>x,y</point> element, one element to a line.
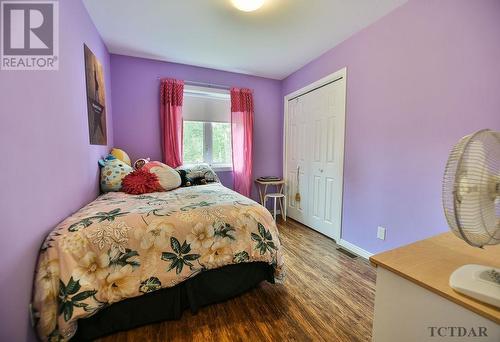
<point>326,296</point>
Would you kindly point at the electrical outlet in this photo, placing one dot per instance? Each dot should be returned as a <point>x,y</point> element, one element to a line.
<point>381,233</point>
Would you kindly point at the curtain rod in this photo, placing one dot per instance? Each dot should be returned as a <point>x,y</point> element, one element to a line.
<point>202,84</point>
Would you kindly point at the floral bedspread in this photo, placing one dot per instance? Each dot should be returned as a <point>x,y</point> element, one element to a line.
<point>121,246</point>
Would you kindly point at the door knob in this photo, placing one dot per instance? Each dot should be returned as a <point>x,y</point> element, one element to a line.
<point>320,170</point>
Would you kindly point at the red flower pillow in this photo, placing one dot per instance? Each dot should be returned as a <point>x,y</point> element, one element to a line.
<point>140,181</point>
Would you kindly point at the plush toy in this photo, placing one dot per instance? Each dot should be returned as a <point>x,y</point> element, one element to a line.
<point>169,178</point>
<point>121,155</point>
<point>140,163</point>
<point>199,180</point>
<point>185,180</point>
<point>112,172</point>
<point>198,174</point>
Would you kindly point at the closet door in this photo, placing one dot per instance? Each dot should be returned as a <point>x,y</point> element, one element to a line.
<point>326,167</point>
<point>297,164</point>
<point>319,117</point>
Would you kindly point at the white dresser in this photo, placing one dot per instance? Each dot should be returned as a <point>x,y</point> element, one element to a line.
<point>414,303</point>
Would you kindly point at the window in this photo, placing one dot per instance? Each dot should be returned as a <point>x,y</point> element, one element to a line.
<point>193,142</point>
<point>207,128</point>
<point>208,142</point>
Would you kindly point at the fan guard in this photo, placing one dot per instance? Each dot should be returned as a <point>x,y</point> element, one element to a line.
<point>471,188</point>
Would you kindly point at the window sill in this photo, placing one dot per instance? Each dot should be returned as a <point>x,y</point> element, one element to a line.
<point>221,168</point>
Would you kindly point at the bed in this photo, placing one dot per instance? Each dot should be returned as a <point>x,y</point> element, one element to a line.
<point>128,260</point>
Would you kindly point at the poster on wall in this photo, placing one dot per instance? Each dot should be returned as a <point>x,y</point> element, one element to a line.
<point>96,102</point>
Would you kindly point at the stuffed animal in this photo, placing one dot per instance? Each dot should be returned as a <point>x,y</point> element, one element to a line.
<point>199,180</point>
<point>169,178</point>
<point>112,172</point>
<point>198,174</point>
<point>121,154</point>
<point>141,162</point>
<point>185,180</point>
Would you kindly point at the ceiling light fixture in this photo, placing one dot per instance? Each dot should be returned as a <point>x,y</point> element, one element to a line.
<point>248,5</point>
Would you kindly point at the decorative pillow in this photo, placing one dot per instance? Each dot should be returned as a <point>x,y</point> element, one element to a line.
<point>140,182</point>
<point>199,174</point>
<point>112,172</point>
<point>169,178</point>
<point>121,155</point>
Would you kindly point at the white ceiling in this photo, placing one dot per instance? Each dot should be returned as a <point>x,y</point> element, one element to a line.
<point>273,41</point>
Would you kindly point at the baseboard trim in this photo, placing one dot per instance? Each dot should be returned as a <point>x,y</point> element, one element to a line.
<point>343,243</point>
<point>355,249</point>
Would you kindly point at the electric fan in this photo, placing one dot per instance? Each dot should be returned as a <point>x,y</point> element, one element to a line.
<point>471,201</point>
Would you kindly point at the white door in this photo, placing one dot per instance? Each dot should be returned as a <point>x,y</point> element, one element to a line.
<point>297,165</point>
<point>314,146</point>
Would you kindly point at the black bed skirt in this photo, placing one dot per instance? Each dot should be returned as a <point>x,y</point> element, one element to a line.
<point>168,304</point>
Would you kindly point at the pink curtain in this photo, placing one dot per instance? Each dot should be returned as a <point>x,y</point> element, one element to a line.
<point>242,139</point>
<point>171,95</point>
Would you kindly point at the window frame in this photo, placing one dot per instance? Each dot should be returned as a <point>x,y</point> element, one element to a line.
<point>201,91</point>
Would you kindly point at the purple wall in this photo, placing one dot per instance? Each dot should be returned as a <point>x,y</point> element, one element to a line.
<point>417,80</point>
<point>49,170</point>
<point>136,108</point>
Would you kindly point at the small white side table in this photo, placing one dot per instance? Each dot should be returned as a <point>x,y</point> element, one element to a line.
<point>262,186</point>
